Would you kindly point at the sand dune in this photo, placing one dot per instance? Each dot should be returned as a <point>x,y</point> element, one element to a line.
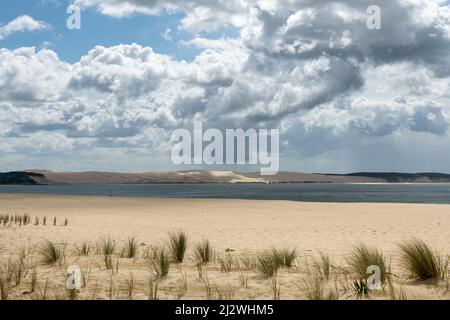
<point>192,177</point>
<point>196,176</point>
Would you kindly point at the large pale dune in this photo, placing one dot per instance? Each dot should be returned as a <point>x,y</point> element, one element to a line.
<point>246,227</point>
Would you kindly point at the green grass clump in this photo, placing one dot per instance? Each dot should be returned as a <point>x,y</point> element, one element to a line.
<point>203,252</point>
<point>130,249</point>
<point>360,288</point>
<point>107,249</point>
<point>160,265</point>
<point>51,253</point>
<point>178,245</point>
<point>421,261</point>
<point>268,264</point>
<point>363,257</point>
<point>285,257</point>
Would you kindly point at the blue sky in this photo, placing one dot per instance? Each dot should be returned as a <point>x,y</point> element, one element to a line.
<point>98,29</point>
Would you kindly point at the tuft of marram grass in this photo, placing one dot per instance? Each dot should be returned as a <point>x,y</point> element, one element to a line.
<point>160,264</point>
<point>284,257</point>
<point>107,249</point>
<point>108,246</point>
<point>360,289</point>
<point>203,252</point>
<point>226,262</point>
<point>6,278</point>
<point>363,257</point>
<point>178,245</point>
<point>130,249</point>
<point>83,249</point>
<point>270,261</point>
<point>421,261</point>
<point>51,252</point>
<point>323,266</point>
<point>268,264</point>
<point>315,289</point>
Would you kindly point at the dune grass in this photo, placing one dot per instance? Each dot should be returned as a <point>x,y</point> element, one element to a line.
<point>323,266</point>
<point>363,257</point>
<point>18,272</point>
<point>6,278</point>
<point>268,264</point>
<point>209,289</point>
<point>34,280</point>
<point>270,261</point>
<point>243,279</point>
<point>284,257</point>
<point>160,265</point>
<point>108,246</point>
<point>51,252</point>
<point>181,286</point>
<point>107,249</point>
<point>247,262</point>
<point>421,261</point>
<point>203,252</point>
<point>360,289</point>
<point>26,219</point>
<point>316,289</point>
<point>178,245</point>
<point>152,289</point>
<point>130,285</point>
<point>276,289</point>
<point>130,250</point>
<point>83,249</point>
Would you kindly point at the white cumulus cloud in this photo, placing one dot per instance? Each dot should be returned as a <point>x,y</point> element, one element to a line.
<point>23,23</point>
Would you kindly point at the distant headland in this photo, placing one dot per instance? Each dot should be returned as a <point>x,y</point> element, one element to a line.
<point>43,177</point>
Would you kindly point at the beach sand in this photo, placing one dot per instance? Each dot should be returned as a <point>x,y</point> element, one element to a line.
<point>244,227</point>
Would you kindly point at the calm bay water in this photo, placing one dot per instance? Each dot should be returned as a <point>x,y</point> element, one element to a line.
<point>401,193</point>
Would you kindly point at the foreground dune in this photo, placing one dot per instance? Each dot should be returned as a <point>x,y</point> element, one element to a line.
<point>235,228</point>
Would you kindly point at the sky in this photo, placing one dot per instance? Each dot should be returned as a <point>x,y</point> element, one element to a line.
<point>107,96</point>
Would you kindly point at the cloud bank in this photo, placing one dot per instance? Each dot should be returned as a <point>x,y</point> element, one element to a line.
<point>311,68</point>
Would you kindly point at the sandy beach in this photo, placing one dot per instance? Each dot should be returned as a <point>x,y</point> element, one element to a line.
<point>233,227</point>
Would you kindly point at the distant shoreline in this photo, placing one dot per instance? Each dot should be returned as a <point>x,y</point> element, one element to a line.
<point>43,177</point>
